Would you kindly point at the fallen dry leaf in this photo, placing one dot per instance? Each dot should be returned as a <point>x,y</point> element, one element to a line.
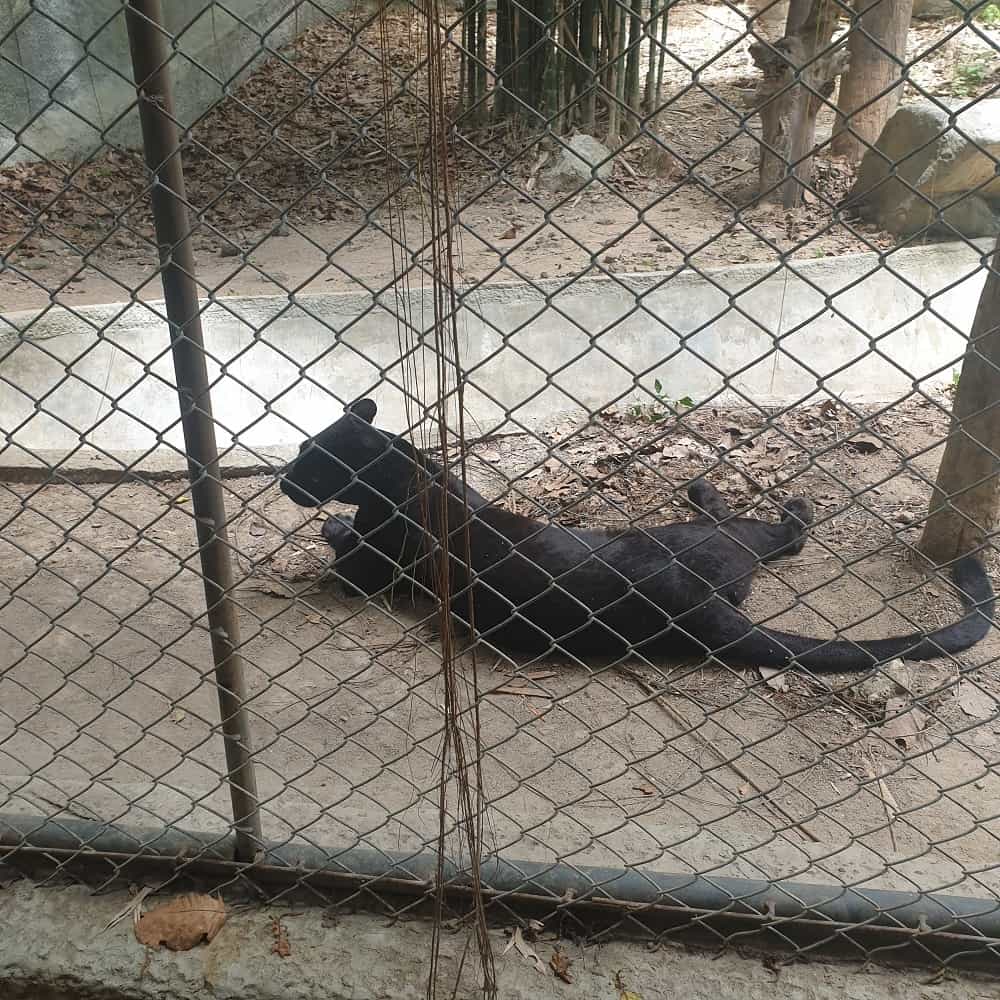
<point>509,234</point>
<point>281,947</point>
<point>775,678</point>
<point>905,728</point>
<point>560,963</point>
<point>524,950</point>
<point>182,923</point>
<point>864,444</point>
<point>974,701</point>
<point>645,789</point>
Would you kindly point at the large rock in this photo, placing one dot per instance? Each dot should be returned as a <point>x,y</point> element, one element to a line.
<point>926,10</point>
<point>922,166</point>
<point>584,159</point>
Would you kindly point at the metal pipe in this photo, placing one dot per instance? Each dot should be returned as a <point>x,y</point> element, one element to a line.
<point>150,57</point>
<point>951,924</point>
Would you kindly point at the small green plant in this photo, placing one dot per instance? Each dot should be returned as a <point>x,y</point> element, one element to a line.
<point>968,76</point>
<point>657,411</point>
<point>989,15</point>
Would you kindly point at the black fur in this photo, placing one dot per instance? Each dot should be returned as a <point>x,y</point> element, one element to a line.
<point>537,586</point>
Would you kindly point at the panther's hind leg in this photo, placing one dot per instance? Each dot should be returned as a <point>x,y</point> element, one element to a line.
<point>707,500</point>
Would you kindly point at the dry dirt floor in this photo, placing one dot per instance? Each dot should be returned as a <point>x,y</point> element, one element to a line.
<point>108,711</point>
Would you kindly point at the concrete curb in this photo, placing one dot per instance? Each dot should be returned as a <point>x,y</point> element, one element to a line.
<point>56,949</point>
<point>87,384</point>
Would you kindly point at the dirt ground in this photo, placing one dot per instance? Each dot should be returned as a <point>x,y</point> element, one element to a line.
<point>108,710</point>
<point>289,195</point>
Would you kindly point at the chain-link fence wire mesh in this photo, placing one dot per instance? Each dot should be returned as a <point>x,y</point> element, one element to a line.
<point>623,332</point>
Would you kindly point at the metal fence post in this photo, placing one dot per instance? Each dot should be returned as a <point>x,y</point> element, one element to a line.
<point>150,56</point>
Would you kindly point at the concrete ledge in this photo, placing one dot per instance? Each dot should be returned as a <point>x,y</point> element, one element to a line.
<point>56,948</point>
<point>101,376</point>
<point>89,465</point>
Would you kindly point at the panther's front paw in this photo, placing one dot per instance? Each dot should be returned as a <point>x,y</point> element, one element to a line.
<point>338,530</point>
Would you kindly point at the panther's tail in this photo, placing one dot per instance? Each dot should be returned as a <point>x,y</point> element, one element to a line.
<point>732,638</point>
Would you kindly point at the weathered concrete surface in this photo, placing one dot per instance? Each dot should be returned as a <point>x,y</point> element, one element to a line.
<point>57,950</point>
<point>936,166</point>
<point>66,75</point>
<point>851,325</point>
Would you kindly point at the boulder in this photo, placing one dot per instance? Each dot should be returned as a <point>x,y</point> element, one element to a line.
<point>924,166</point>
<point>579,162</point>
<point>928,10</point>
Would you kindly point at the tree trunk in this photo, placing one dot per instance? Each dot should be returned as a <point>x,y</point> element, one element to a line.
<point>611,22</point>
<point>795,81</point>
<point>502,105</point>
<point>632,91</point>
<point>550,69</point>
<point>664,24</point>
<point>621,49</point>
<point>963,507</point>
<point>877,45</point>
<point>590,16</point>
<point>481,84</point>
<point>648,101</point>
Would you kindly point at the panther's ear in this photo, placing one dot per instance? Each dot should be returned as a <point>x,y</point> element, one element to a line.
<point>364,408</point>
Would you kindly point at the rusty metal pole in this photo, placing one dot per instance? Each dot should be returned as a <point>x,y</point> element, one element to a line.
<point>150,55</point>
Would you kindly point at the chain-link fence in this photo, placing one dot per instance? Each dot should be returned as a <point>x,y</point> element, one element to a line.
<point>671,265</point>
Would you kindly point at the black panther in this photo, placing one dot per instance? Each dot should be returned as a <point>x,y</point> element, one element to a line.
<point>669,590</point>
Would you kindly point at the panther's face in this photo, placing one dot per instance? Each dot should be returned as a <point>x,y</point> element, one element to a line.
<point>337,463</point>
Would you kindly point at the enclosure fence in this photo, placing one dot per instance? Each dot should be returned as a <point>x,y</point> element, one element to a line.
<point>679,254</point>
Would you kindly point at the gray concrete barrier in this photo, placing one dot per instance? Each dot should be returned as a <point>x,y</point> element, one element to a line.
<point>97,381</point>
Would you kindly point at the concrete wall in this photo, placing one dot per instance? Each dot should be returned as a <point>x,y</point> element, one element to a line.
<point>283,369</point>
<point>66,79</point>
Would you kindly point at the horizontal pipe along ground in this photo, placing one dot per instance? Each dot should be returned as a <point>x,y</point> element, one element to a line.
<point>964,923</point>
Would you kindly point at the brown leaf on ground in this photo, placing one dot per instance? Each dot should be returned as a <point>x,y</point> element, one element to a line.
<point>182,923</point>
<point>281,946</point>
<point>560,963</point>
<point>864,444</point>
